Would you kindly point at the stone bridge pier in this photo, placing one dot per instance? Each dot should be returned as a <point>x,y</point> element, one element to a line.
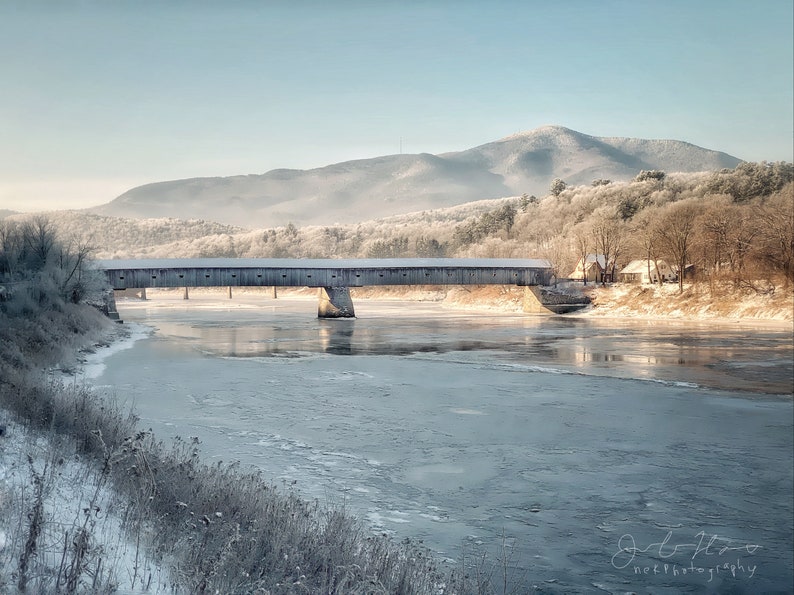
<point>335,302</point>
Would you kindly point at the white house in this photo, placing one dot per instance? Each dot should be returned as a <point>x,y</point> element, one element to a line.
<point>645,271</point>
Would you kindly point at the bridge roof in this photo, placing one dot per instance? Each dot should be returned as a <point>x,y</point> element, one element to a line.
<point>317,263</point>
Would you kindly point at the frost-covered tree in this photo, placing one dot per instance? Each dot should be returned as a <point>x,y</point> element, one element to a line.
<point>676,231</point>
<point>557,187</point>
<point>653,175</point>
<point>749,180</point>
<point>32,255</point>
<point>776,237</point>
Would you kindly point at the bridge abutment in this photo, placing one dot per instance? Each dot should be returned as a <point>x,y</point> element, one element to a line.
<point>335,302</point>
<point>532,301</point>
<point>110,306</point>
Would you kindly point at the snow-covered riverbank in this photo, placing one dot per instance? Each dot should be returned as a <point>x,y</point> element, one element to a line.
<point>695,303</point>
<point>58,509</point>
<point>82,536</point>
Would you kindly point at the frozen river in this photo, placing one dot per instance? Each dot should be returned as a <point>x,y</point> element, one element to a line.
<point>600,456</point>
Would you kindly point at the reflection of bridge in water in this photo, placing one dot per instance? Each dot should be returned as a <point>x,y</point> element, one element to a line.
<point>332,277</point>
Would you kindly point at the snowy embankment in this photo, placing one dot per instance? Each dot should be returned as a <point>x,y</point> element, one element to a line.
<point>82,537</point>
<point>93,514</point>
<point>643,301</point>
<point>61,525</point>
<point>696,303</point>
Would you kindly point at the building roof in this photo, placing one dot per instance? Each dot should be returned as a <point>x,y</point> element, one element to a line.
<point>593,258</point>
<point>324,263</point>
<point>640,266</point>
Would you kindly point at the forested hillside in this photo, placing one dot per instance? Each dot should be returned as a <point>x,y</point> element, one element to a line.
<point>734,225</point>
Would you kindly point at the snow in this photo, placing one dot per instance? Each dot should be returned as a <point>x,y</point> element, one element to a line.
<point>665,302</point>
<point>73,486</point>
<point>76,495</point>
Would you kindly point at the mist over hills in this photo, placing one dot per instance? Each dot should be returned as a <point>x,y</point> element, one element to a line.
<point>389,185</point>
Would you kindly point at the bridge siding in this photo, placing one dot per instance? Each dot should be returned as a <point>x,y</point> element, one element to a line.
<point>325,277</point>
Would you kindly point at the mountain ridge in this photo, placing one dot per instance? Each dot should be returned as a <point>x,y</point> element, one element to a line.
<point>381,186</point>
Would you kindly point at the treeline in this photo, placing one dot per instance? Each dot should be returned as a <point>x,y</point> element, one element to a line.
<point>732,225</point>
<point>116,237</point>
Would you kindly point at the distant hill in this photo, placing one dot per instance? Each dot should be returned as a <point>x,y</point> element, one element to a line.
<point>395,184</point>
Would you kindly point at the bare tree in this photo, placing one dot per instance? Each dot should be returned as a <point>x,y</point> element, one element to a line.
<point>714,240</point>
<point>776,245</point>
<point>608,239</point>
<point>39,239</point>
<point>557,251</point>
<point>676,230</point>
<point>73,257</point>
<point>581,241</point>
<point>11,247</point>
<point>646,240</point>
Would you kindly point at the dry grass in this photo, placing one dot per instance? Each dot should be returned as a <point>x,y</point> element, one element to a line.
<point>697,302</point>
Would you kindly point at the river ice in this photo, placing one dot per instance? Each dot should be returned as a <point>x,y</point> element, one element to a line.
<point>599,455</point>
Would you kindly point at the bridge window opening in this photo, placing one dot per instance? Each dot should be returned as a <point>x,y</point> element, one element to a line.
<point>181,276</point>
<point>380,275</point>
<point>259,276</point>
<point>121,277</point>
<point>283,276</point>
<point>308,276</point>
<point>207,276</point>
<point>358,276</point>
<point>333,276</point>
<point>234,275</point>
<point>154,276</point>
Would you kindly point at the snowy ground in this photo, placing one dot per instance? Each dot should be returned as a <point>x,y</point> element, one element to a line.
<point>75,498</point>
<point>696,303</point>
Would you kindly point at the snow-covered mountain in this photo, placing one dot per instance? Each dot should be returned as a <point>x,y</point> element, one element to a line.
<point>394,184</point>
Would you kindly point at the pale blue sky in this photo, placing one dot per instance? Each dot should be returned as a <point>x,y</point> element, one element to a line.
<point>99,96</point>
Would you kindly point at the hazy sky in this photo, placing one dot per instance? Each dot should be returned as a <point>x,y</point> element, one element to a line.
<point>99,96</point>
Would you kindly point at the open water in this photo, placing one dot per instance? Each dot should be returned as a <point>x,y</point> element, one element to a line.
<point>592,455</point>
